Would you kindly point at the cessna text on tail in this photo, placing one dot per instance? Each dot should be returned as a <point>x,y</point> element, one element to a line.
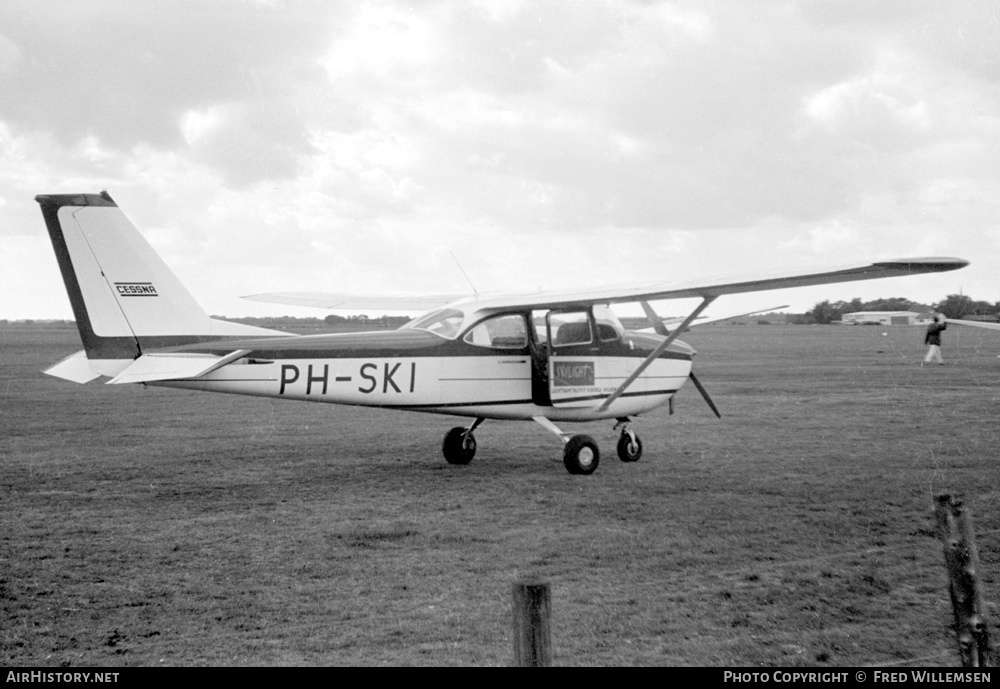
<point>550,357</point>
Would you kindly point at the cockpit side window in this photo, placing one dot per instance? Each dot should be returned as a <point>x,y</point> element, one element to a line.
<point>570,328</point>
<point>500,332</point>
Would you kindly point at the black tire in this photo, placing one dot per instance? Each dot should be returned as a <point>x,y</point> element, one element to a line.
<point>457,447</point>
<point>581,455</point>
<point>627,450</point>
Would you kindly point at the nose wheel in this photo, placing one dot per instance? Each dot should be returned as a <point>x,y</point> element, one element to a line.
<point>629,446</point>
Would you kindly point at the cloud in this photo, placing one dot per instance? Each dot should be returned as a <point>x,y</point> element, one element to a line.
<point>126,73</point>
<point>247,144</point>
<point>355,145</point>
<point>10,55</point>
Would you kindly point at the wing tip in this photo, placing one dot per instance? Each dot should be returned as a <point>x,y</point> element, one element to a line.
<point>927,264</point>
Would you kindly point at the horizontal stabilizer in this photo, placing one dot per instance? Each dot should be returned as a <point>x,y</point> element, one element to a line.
<point>149,368</point>
<point>75,368</point>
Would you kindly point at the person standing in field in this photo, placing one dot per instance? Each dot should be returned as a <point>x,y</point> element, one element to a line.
<point>933,340</point>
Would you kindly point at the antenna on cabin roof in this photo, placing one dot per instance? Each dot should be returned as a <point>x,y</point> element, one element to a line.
<point>474,290</point>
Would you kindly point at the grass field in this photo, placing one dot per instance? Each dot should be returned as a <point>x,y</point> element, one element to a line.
<point>152,526</point>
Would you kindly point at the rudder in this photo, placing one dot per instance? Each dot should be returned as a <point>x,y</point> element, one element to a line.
<point>124,297</point>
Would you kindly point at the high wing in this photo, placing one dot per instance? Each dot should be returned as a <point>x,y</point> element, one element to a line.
<point>712,288</point>
<point>628,293</point>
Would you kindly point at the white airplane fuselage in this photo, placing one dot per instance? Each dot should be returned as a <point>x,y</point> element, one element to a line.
<point>423,372</point>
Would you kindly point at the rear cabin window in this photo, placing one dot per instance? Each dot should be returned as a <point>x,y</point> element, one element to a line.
<point>501,332</point>
<point>445,322</point>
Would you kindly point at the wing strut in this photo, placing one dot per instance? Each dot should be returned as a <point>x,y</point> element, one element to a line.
<point>656,352</point>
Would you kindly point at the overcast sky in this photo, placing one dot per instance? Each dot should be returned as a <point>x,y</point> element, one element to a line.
<point>353,147</point>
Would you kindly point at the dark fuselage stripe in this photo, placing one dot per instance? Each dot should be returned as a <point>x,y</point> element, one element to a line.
<point>585,398</point>
<point>524,401</point>
<point>441,405</point>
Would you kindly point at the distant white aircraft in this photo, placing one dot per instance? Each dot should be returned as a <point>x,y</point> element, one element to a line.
<point>550,357</point>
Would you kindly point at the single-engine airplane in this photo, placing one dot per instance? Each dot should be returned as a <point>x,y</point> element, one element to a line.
<point>551,356</point>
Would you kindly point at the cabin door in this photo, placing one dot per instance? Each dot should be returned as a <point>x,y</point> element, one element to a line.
<point>574,359</point>
<point>540,359</point>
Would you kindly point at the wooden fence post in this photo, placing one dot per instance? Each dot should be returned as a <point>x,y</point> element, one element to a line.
<point>532,629</point>
<point>960,555</point>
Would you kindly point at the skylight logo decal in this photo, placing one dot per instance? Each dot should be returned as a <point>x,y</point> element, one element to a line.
<point>136,289</point>
<point>573,373</point>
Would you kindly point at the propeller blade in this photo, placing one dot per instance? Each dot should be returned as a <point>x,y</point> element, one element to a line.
<point>704,393</point>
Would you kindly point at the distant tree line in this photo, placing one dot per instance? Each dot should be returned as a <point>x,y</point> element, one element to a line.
<point>362,321</point>
<point>961,306</point>
<point>382,321</point>
<point>952,306</point>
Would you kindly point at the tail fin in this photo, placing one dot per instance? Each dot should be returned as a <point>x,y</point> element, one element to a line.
<point>124,297</point>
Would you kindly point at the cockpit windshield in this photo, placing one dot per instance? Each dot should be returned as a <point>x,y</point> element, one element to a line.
<point>446,323</point>
<point>608,326</point>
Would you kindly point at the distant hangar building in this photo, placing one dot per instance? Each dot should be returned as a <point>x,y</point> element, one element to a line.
<point>886,318</point>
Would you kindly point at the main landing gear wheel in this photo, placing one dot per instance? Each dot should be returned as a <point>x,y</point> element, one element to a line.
<point>581,455</point>
<point>629,447</point>
<point>459,446</point>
